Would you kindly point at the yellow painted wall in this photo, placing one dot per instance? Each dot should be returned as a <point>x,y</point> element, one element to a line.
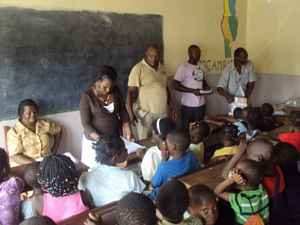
<point>185,21</point>
<point>272,35</point>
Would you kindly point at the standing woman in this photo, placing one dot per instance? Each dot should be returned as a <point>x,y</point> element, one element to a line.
<point>102,112</point>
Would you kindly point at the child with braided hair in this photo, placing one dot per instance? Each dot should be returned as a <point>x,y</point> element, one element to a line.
<point>59,180</point>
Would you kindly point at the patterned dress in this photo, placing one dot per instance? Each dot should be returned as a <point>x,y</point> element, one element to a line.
<point>10,191</point>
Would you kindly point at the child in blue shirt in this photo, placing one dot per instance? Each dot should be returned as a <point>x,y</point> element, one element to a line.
<point>181,161</point>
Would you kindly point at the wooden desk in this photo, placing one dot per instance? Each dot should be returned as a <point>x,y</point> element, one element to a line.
<point>210,176</point>
<point>106,212</point>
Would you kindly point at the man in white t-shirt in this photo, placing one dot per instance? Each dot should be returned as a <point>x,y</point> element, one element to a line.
<point>190,81</point>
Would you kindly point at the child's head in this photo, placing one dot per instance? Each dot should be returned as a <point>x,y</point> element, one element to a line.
<point>177,143</point>
<point>198,132</point>
<point>31,175</point>
<point>251,171</point>
<point>238,113</point>
<point>254,118</point>
<point>284,153</point>
<point>230,136</point>
<point>4,165</point>
<point>260,150</point>
<point>245,112</point>
<point>203,204</point>
<point>110,150</point>
<point>136,209</point>
<point>267,110</point>
<point>161,127</point>
<point>172,201</point>
<point>58,175</point>
<point>38,220</point>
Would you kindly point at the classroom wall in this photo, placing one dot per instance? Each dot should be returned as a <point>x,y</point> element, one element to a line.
<point>272,33</point>
<point>184,23</point>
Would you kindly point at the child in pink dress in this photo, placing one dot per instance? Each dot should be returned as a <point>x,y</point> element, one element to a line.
<point>10,191</point>
<point>59,179</point>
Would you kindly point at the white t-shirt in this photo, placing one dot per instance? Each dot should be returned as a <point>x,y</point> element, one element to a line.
<point>150,162</point>
<point>107,184</point>
<point>191,76</point>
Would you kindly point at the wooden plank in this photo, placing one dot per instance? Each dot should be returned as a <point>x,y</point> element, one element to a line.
<point>210,176</point>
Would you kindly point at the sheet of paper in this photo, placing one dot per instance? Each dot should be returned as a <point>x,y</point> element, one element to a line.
<point>132,146</point>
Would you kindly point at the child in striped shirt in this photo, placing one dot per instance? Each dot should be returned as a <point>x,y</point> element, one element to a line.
<point>252,199</point>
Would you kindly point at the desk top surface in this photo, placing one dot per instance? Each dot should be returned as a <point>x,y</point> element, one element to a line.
<point>210,176</point>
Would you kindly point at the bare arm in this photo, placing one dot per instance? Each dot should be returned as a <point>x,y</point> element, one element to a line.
<point>132,95</point>
<point>57,139</point>
<point>234,160</point>
<point>220,190</point>
<point>205,85</point>
<point>37,204</point>
<point>20,159</point>
<point>249,89</point>
<point>225,94</point>
<point>179,87</point>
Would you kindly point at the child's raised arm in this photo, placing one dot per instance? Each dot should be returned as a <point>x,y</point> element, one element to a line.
<point>234,177</point>
<point>220,190</point>
<point>235,159</point>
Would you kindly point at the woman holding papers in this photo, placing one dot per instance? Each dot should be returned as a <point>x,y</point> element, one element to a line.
<point>102,112</point>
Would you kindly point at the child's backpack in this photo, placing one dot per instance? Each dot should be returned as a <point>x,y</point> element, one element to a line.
<point>255,220</point>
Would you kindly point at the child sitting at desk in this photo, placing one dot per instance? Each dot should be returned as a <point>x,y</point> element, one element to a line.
<point>269,122</point>
<point>230,143</point>
<point>252,199</point>
<point>30,178</point>
<point>205,205</point>
<point>136,209</point>
<point>199,131</point>
<point>109,181</point>
<point>10,191</point>
<point>58,178</point>
<point>182,162</point>
<point>154,155</point>
<point>172,202</point>
<point>261,151</point>
<point>254,121</point>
